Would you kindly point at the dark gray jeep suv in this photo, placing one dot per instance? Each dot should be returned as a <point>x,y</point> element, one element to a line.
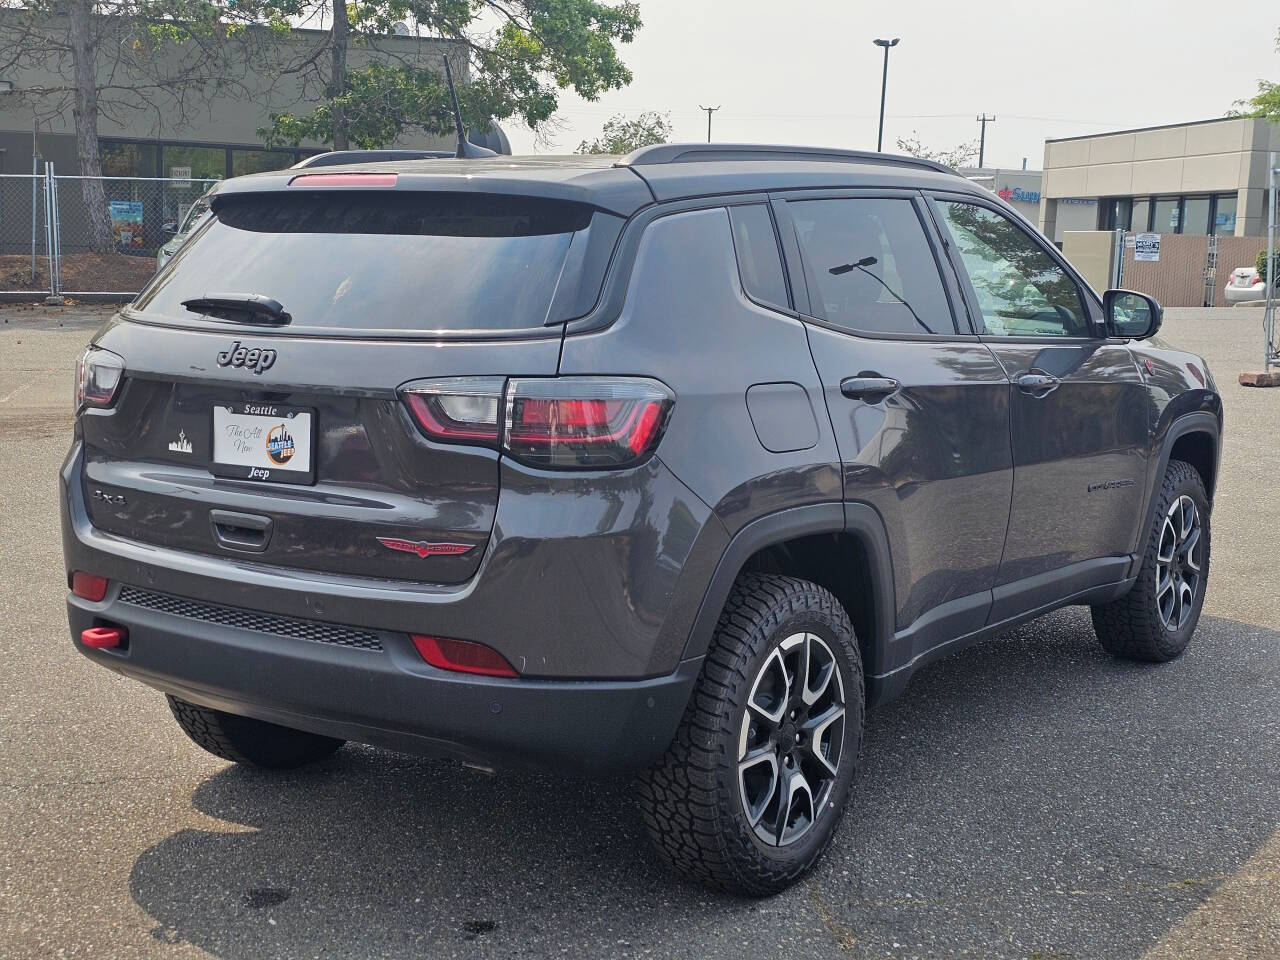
<point>670,464</point>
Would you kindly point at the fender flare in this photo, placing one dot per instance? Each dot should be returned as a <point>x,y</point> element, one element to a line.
<point>858,519</point>
<point>1199,421</point>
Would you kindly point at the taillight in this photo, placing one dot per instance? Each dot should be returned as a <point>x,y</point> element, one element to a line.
<point>584,422</point>
<point>98,376</point>
<point>558,423</point>
<point>462,656</point>
<point>457,409</point>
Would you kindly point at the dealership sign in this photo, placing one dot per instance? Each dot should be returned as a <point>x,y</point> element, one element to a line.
<point>1146,247</point>
<point>1018,195</point>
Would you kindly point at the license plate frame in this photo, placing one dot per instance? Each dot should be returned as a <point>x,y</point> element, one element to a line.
<point>256,462</point>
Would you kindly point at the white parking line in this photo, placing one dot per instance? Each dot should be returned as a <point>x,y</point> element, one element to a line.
<point>10,396</point>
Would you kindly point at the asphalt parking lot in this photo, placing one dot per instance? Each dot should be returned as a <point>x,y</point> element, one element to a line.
<point>1027,798</point>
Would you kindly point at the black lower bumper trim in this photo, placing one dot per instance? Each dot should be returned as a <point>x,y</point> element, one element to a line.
<point>391,698</point>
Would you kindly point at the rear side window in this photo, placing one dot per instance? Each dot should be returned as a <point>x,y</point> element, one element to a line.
<point>870,267</point>
<point>397,262</point>
<point>759,262</point>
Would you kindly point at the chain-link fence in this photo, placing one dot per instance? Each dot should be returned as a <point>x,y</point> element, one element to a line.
<point>72,235</point>
<point>24,243</point>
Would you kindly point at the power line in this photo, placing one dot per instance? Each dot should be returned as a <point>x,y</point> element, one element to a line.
<point>710,111</point>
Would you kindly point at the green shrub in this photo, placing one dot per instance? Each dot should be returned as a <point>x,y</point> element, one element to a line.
<point>1261,263</point>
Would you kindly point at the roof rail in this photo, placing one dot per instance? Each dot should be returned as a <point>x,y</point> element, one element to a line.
<point>694,152</point>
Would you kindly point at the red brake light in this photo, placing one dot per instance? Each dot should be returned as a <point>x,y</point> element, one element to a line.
<point>584,422</point>
<point>462,656</point>
<point>456,409</point>
<point>98,377</point>
<point>344,180</point>
<point>88,587</point>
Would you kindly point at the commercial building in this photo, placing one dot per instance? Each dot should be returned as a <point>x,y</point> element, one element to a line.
<point>1199,179</point>
<point>212,136</point>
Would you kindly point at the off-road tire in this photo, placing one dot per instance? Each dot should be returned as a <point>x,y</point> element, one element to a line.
<point>255,743</point>
<point>1131,627</point>
<point>690,801</point>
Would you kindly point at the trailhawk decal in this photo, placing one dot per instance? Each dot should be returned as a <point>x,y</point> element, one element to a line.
<point>425,549</point>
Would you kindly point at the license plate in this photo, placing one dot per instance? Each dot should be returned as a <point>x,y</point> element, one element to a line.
<point>263,441</point>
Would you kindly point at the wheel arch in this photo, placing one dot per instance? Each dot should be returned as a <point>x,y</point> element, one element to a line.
<point>841,547</point>
<point>1194,437</point>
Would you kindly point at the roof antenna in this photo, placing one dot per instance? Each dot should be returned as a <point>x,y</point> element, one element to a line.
<point>466,149</point>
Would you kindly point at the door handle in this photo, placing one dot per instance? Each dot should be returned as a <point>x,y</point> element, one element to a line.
<point>1037,384</point>
<point>246,532</point>
<point>870,389</point>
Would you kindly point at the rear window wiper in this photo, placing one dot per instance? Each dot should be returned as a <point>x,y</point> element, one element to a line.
<point>239,307</point>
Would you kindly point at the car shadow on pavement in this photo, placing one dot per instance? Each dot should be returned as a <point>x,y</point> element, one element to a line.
<point>1029,796</point>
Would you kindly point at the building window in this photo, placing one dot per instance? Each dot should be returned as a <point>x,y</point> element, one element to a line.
<point>1140,219</point>
<point>1195,216</point>
<point>128,159</point>
<point>1224,215</point>
<point>198,163</point>
<point>1168,215</point>
<point>1114,214</point>
<point>260,161</point>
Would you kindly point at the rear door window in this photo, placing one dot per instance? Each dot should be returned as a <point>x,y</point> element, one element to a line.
<point>396,261</point>
<point>870,267</point>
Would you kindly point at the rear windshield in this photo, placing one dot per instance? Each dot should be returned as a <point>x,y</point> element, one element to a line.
<point>402,261</point>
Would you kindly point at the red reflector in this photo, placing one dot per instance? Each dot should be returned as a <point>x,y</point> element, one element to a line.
<point>462,656</point>
<point>103,638</point>
<point>344,180</point>
<point>88,587</point>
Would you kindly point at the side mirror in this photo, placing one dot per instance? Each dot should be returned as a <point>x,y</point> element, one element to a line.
<point>1131,315</point>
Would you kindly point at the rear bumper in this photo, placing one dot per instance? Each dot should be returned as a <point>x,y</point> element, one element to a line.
<point>1235,295</point>
<point>390,697</point>
<point>579,580</point>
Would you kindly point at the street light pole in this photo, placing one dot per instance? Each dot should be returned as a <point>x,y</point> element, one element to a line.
<point>884,83</point>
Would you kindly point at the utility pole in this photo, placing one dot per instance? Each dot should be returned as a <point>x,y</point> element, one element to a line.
<point>982,139</point>
<point>884,83</point>
<point>710,111</point>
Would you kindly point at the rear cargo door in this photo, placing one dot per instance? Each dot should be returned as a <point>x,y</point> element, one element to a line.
<point>283,434</point>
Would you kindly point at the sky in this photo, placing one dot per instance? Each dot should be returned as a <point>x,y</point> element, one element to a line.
<point>808,73</point>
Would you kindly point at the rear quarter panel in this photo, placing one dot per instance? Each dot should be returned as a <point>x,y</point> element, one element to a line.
<point>685,321</point>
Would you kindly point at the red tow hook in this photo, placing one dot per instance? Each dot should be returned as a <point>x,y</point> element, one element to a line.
<point>104,638</point>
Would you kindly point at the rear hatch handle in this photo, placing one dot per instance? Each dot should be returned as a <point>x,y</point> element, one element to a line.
<point>240,308</point>
<point>243,532</point>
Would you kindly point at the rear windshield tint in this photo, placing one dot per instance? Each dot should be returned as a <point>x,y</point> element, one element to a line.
<point>402,261</point>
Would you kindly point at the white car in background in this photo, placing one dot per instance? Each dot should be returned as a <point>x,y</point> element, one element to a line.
<point>1244,286</point>
<point>194,216</point>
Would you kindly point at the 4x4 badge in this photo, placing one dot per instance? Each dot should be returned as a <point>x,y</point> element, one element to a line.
<point>425,549</point>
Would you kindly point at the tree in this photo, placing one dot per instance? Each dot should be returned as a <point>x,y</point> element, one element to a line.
<point>621,135</point>
<point>957,156</point>
<point>1265,103</point>
<point>112,58</point>
<point>519,55</point>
